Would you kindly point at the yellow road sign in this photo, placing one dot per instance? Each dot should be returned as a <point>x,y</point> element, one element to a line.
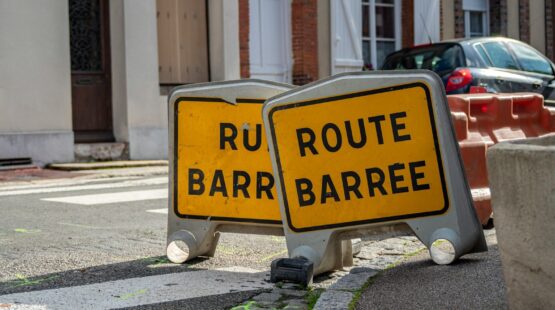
<point>359,158</point>
<point>222,168</point>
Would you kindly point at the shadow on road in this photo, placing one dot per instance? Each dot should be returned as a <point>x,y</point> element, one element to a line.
<point>148,266</point>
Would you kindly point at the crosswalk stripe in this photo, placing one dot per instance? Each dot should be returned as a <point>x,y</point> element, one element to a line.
<point>161,211</point>
<point>142,182</point>
<point>62,182</point>
<point>142,291</point>
<point>98,199</point>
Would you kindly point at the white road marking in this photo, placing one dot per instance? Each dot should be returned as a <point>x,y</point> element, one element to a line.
<point>61,182</point>
<point>142,291</point>
<point>99,199</point>
<point>161,211</point>
<point>142,182</point>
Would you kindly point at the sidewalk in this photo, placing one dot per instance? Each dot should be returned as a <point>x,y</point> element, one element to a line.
<point>93,170</point>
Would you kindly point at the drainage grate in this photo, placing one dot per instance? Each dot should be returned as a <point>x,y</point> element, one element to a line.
<point>14,163</point>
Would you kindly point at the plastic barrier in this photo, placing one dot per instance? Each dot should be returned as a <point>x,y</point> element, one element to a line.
<point>220,169</point>
<point>482,120</point>
<point>363,154</point>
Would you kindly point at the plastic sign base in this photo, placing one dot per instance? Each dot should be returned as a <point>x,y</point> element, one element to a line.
<point>298,270</point>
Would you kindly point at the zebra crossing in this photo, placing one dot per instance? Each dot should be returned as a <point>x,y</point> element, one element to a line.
<point>135,292</point>
<point>184,284</point>
<point>69,191</point>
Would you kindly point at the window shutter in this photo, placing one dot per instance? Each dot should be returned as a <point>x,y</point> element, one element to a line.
<point>182,41</point>
<point>426,21</point>
<point>346,36</point>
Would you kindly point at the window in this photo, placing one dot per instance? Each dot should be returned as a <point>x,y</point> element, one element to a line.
<point>440,58</point>
<point>499,56</point>
<point>530,60</point>
<point>476,22</point>
<point>380,30</point>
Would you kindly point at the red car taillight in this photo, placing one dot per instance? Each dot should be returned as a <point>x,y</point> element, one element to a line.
<point>458,79</point>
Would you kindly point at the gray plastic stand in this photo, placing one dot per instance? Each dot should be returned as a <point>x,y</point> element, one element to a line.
<point>458,227</point>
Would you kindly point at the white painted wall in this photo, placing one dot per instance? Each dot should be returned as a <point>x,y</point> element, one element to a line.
<point>224,39</point>
<point>35,76</point>
<point>324,47</point>
<point>448,19</point>
<point>140,116</point>
<point>119,92</point>
<point>537,24</point>
<point>426,21</point>
<point>513,19</point>
<point>35,86</point>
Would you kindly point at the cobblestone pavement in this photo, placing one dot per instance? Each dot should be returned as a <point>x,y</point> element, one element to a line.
<point>336,290</point>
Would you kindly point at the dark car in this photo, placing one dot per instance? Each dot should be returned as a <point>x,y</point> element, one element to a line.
<point>494,64</point>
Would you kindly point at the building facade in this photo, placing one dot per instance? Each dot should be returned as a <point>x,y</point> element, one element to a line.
<point>82,72</point>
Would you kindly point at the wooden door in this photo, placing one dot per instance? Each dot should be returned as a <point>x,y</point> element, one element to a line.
<point>90,71</point>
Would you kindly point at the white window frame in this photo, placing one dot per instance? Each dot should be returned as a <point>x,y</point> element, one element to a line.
<point>372,31</point>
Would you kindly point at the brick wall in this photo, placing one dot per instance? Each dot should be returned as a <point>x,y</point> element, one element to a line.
<point>407,23</point>
<point>498,17</point>
<point>524,26</point>
<point>244,38</point>
<point>459,19</point>
<point>549,42</point>
<point>304,31</point>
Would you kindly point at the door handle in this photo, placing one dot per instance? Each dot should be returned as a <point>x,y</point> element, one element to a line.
<point>536,85</point>
<point>499,81</point>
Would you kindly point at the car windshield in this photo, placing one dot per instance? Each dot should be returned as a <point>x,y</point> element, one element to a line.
<point>440,58</point>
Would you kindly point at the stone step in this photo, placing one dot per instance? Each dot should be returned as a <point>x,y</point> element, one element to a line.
<point>108,165</point>
<point>86,152</point>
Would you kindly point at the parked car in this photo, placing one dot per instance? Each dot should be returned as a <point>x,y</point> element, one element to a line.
<point>489,64</point>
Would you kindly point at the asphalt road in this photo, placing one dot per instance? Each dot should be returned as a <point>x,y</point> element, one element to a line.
<point>100,243</point>
<point>98,240</point>
<point>474,282</point>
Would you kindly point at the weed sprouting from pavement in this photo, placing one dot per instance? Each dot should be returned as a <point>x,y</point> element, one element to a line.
<point>24,281</point>
<point>156,261</point>
<point>358,293</point>
<point>246,306</point>
<point>131,295</point>
<point>27,231</point>
<point>312,297</point>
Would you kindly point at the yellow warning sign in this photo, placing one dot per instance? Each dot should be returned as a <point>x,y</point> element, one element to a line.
<point>359,158</point>
<point>223,168</point>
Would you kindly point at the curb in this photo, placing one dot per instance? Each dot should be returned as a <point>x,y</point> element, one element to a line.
<point>341,294</point>
<point>108,165</point>
<point>342,288</point>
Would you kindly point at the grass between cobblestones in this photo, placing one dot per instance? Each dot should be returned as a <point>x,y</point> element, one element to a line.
<point>313,294</point>
<point>358,293</point>
<point>312,297</point>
